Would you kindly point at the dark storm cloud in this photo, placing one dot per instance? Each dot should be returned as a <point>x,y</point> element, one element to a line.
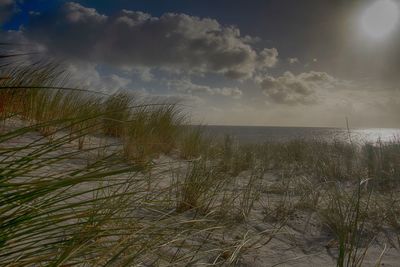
<point>7,9</point>
<point>175,41</point>
<point>296,89</point>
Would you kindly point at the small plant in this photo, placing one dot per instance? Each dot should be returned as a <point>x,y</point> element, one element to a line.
<point>191,142</point>
<point>250,194</point>
<point>151,130</point>
<point>117,112</point>
<point>199,188</point>
<point>346,216</point>
<point>382,161</point>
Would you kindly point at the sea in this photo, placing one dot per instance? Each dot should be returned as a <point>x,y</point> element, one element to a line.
<point>262,134</point>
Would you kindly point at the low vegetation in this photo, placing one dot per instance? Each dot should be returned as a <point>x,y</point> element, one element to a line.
<point>112,180</point>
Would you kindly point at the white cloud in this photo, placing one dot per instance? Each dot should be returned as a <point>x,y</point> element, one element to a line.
<point>86,75</point>
<point>176,41</point>
<point>34,13</point>
<point>144,73</point>
<point>268,57</point>
<point>76,13</point>
<point>296,89</point>
<point>293,60</point>
<point>186,85</point>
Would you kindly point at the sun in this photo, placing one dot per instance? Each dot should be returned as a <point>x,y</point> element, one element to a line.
<point>379,19</point>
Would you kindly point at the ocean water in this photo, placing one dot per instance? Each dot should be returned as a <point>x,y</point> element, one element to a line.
<point>260,134</point>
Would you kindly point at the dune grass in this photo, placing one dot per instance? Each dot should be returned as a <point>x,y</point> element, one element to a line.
<point>79,185</point>
<point>65,205</point>
<point>349,187</point>
<point>193,142</point>
<point>346,216</point>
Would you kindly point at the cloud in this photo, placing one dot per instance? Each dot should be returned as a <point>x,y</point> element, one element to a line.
<point>186,86</point>
<point>296,89</point>
<point>268,57</point>
<point>7,9</point>
<point>86,75</point>
<point>175,41</point>
<point>76,13</point>
<point>143,73</point>
<point>293,60</point>
<point>34,13</point>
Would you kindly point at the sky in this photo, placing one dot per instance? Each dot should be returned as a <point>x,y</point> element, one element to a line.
<point>260,62</point>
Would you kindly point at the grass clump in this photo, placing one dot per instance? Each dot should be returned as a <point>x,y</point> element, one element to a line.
<point>117,109</point>
<point>152,130</point>
<point>199,187</point>
<point>192,142</point>
<point>382,162</point>
<point>346,216</point>
<point>36,95</point>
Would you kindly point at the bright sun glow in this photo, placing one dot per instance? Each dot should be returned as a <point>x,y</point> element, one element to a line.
<point>380,18</point>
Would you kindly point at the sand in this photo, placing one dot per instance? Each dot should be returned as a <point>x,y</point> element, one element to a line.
<point>301,241</point>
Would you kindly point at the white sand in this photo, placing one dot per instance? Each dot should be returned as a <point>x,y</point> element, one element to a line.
<point>303,241</point>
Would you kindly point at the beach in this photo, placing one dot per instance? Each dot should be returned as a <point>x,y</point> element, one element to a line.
<point>252,216</point>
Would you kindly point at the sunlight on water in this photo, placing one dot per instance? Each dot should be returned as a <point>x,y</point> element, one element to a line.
<point>375,134</point>
<point>253,134</point>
